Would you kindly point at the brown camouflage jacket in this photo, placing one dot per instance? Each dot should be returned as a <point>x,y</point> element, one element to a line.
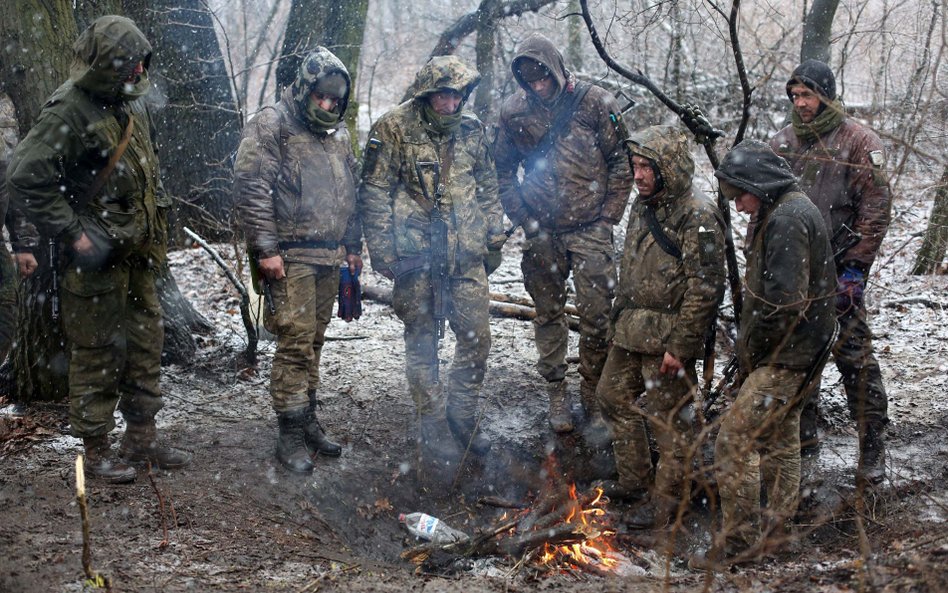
<point>392,203</point>
<point>586,175</point>
<point>842,173</point>
<point>663,303</point>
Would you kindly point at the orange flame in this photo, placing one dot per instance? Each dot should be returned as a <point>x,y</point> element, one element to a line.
<point>594,551</point>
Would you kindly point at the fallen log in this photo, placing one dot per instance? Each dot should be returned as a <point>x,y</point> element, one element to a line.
<point>383,295</point>
<point>500,297</point>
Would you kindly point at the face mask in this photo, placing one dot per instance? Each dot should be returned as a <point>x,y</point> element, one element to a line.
<point>319,118</point>
<point>443,124</point>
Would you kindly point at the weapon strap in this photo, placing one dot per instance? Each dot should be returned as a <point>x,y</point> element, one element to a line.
<point>663,240</point>
<point>563,116</point>
<point>447,159</point>
<point>103,175</point>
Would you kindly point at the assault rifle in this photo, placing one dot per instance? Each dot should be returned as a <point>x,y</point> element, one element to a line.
<point>438,241</point>
<point>53,248</point>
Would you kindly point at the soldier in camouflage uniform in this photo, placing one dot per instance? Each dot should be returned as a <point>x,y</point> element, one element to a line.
<point>111,227</point>
<point>295,196</point>
<point>787,324</point>
<point>671,281</point>
<point>568,202</point>
<point>840,163</point>
<point>23,240</point>
<point>433,127</point>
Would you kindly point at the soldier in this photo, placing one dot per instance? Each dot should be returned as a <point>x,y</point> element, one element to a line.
<point>671,281</point>
<point>428,164</point>
<point>87,176</point>
<point>295,195</point>
<point>787,325</point>
<point>23,239</point>
<point>840,165</point>
<point>567,136</point>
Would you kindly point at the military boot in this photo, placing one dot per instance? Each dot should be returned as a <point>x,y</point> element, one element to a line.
<point>561,418</point>
<point>467,432</point>
<point>103,464</point>
<point>655,513</point>
<point>871,454</point>
<point>291,444</point>
<point>141,444</point>
<point>316,440</point>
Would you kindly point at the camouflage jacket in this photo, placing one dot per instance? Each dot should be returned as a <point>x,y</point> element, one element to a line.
<point>842,173</point>
<point>294,189</point>
<point>23,236</point>
<point>790,281</point>
<point>392,202</point>
<point>663,303</point>
<point>80,126</point>
<point>586,175</point>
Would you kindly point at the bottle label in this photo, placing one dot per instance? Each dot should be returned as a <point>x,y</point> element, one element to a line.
<point>427,524</point>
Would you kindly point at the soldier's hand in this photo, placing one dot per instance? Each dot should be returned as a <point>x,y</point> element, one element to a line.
<point>25,263</point>
<point>671,365</point>
<point>354,261</point>
<point>83,245</point>
<point>272,267</point>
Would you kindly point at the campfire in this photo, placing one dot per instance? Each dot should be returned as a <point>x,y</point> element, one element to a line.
<point>559,531</point>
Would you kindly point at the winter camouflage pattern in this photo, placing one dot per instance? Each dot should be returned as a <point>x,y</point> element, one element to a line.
<point>395,216</point>
<point>663,304</point>
<point>110,310</point>
<point>295,196</point>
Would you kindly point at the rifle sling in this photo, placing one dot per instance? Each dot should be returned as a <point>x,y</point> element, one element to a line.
<point>563,116</point>
<point>663,240</point>
<point>103,175</point>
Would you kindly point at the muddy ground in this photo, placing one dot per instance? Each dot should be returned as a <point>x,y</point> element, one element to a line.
<point>235,520</point>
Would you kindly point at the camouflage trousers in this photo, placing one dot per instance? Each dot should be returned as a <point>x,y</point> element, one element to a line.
<point>625,376</point>
<point>862,377</point>
<point>7,300</point>
<point>112,320</point>
<point>547,262</point>
<point>303,302</point>
<point>759,440</point>
<point>467,314</point>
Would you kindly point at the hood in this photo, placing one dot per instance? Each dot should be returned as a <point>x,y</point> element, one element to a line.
<point>754,167</point>
<point>539,48</point>
<point>668,148</point>
<point>318,64</point>
<point>445,72</point>
<point>106,54</point>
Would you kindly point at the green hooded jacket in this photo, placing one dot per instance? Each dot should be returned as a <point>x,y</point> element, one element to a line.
<point>81,125</point>
<point>663,303</point>
<point>391,199</point>
<point>790,281</point>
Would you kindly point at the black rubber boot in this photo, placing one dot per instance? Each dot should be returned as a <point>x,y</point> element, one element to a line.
<point>291,444</point>
<point>141,444</point>
<point>872,454</point>
<point>316,440</point>
<point>102,464</point>
<point>467,433</point>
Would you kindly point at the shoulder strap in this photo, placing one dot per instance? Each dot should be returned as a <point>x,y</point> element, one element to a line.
<point>103,175</point>
<point>663,240</point>
<point>563,116</point>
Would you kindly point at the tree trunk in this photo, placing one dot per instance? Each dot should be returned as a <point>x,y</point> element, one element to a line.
<point>37,50</point>
<point>575,33</point>
<point>87,11</point>
<point>486,38</point>
<point>338,26</point>
<point>935,244</point>
<point>197,119</point>
<point>817,27</point>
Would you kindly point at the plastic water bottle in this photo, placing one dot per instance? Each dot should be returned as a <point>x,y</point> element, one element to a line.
<point>431,528</point>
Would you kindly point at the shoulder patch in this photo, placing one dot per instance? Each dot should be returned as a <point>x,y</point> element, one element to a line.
<point>706,247</point>
<point>371,156</point>
<point>876,158</point>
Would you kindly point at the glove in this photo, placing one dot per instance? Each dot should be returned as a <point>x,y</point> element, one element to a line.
<point>493,260</point>
<point>850,287</point>
<point>350,295</point>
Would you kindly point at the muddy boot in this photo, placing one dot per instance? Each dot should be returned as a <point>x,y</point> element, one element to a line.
<point>291,446</point>
<point>467,433</point>
<point>141,444</point>
<point>102,464</point>
<point>871,454</point>
<point>655,513</point>
<point>809,432</point>
<point>561,420</point>
<point>316,440</point>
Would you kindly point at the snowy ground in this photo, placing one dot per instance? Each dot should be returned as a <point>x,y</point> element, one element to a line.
<point>240,522</point>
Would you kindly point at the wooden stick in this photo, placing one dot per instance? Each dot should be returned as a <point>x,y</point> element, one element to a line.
<point>93,579</point>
